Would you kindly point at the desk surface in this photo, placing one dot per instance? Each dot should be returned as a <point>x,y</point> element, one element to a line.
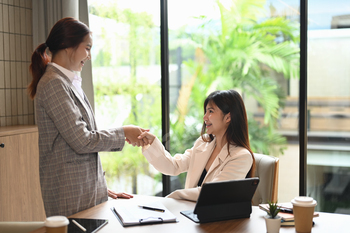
<point>326,222</point>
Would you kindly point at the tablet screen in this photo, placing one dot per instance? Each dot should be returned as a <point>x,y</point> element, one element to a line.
<point>91,225</point>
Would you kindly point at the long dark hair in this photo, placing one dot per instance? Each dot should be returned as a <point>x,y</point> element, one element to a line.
<point>230,101</point>
<point>66,33</point>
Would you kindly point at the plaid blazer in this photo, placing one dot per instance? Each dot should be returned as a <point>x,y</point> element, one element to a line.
<point>71,174</point>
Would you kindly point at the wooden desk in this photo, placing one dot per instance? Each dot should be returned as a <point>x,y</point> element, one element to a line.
<point>326,222</point>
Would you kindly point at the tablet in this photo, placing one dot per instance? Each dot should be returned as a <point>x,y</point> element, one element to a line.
<point>91,225</point>
<point>224,200</point>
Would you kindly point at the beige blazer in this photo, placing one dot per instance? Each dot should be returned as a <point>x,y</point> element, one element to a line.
<point>193,161</point>
<point>71,174</point>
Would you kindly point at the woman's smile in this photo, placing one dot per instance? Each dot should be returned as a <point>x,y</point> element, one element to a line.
<point>208,125</point>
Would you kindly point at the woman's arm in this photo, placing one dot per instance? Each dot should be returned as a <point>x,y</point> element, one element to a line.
<point>61,115</point>
<point>161,159</point>
<point>190,194</point>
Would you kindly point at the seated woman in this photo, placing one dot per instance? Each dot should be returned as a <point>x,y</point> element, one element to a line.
<point>222,152</point>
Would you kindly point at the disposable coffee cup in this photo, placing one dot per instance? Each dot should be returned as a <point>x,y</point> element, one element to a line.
<point>303,210</point>
<point>56,224</point>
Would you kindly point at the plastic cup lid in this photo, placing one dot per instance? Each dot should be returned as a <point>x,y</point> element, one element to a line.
<point>56,221</point>
<point>304,201</point>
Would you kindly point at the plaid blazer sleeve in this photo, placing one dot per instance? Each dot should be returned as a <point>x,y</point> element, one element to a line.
<point>73,121</point>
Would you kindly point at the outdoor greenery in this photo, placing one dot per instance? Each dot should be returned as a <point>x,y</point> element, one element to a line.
<point>243,50</point>
<point>241,53</point>
<point>141,95</point>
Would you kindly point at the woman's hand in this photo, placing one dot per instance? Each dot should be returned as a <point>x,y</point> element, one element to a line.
<point>115,195</point>
<point>147,135</point>
<point>131,134</point>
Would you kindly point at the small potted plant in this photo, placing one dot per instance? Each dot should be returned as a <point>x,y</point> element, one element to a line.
<point>273,220</point>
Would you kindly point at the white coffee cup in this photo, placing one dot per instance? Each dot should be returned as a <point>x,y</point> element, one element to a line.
<point>56,224</point>
<point>303,210</point>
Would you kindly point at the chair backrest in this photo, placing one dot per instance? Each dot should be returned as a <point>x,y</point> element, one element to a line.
<point>267,171</point>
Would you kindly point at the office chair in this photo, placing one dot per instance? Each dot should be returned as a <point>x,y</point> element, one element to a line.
<point>267,171</point>
<point>19,227</point>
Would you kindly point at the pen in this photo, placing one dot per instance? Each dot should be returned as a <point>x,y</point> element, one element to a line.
<point>80,226</point>
<point>151,208</point>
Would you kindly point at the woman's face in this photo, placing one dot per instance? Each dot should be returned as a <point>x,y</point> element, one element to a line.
<point>80,55</point>
<point>215,120</point>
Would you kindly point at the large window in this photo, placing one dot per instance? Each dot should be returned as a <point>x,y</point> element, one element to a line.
<point>328,150</point>
<point>126,78</point>
<point>251,46</point>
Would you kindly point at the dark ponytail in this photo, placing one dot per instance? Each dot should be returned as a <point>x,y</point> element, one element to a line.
<point>66,33</point>
<point>37,67</point>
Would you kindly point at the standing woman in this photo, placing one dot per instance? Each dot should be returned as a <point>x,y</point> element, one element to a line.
<point>221,153</point>
<point>71,174</point>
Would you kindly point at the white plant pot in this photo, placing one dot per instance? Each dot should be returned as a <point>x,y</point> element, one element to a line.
<point>273,225</point>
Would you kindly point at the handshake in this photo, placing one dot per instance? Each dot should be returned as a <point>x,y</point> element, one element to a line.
<point>137,136</point>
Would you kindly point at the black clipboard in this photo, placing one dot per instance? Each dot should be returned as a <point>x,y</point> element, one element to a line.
<point>91,225</point>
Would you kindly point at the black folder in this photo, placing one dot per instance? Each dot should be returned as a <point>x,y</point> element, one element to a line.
<point>224,200</point>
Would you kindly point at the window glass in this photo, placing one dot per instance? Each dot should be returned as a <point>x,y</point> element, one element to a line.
<point>328,155</point>
<point>126,78</point>
<point>250,46</point>
<point>287,89</point>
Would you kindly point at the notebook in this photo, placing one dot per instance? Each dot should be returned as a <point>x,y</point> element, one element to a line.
<point>133,215</point>
<point>224,200</point>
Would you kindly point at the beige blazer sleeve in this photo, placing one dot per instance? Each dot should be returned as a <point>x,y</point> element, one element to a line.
<point>233,166</point>
<point>164,162</point>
